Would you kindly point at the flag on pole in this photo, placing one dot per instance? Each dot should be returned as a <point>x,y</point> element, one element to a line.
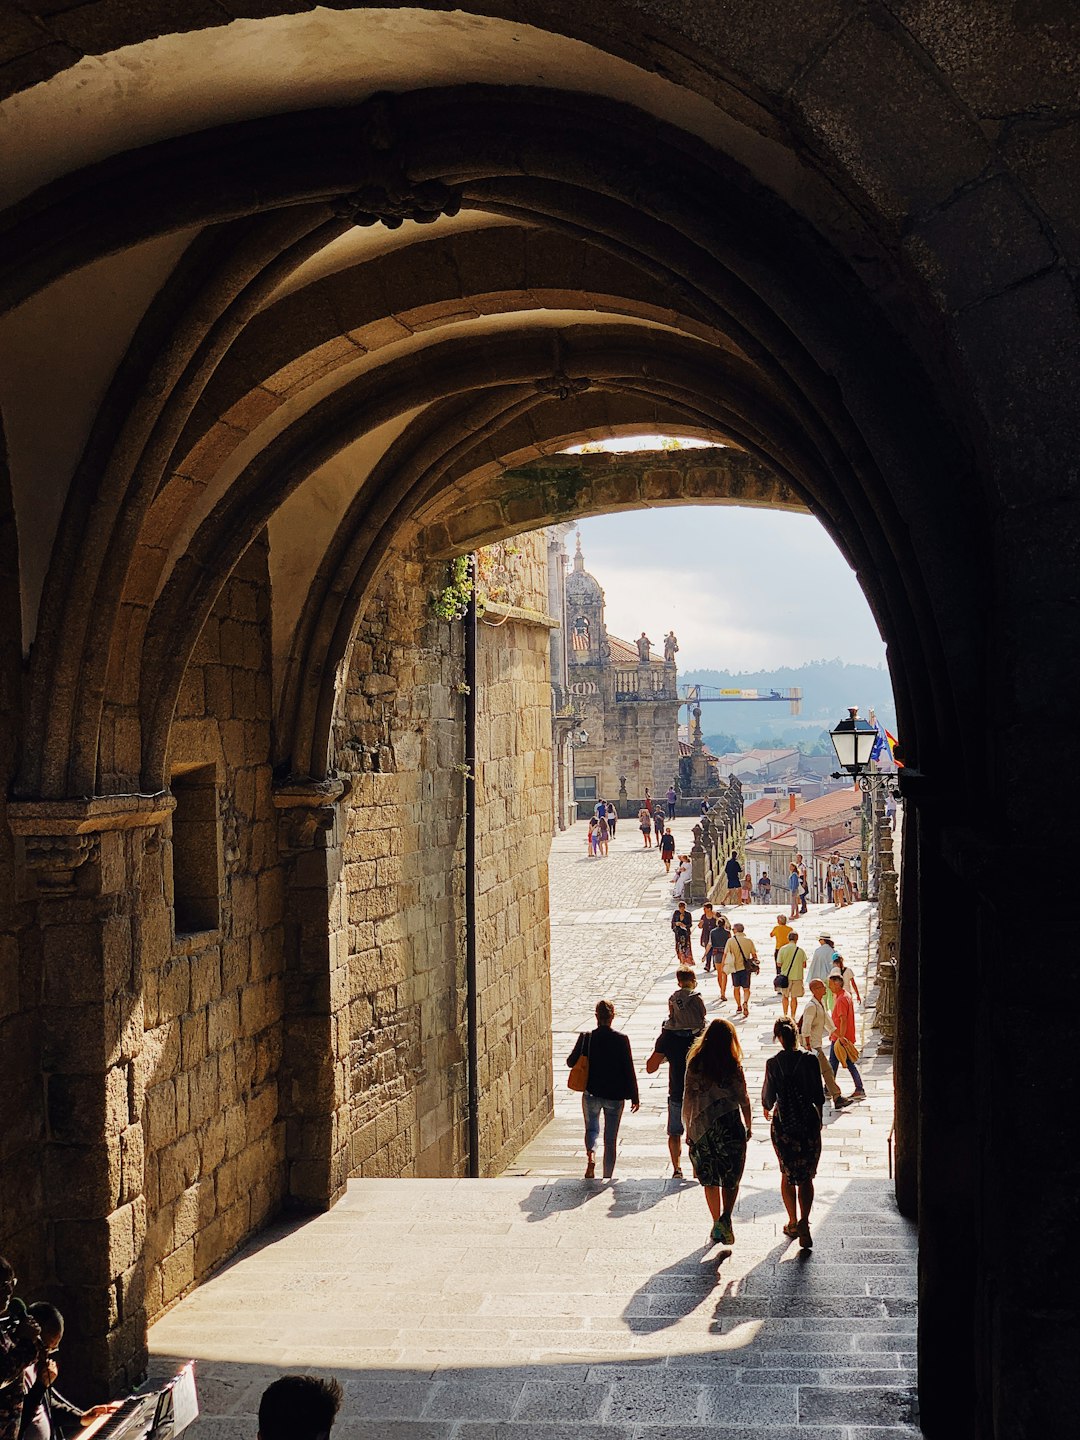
<point>879,744</point>
<point>892,743</point>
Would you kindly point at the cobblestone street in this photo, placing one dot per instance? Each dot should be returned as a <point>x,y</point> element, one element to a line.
<point>540,1306</point>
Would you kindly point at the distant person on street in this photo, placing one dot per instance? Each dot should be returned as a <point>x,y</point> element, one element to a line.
<point>681,922</point>
<point>686,1008</point>
<point>793,890</point>
<point>645,822</point>
<point>671,798</point>
<point>791,965</point>
<point>792,1099</point>
<point>718,939</point>
<point>821,962</point>
<point>612,818</point>
<point>590,839</point>
<point>681,878</point>
<point>804,883</point>
<point>740,960</point>
<point>704,808</point>
<point>299,1407</point>
<point>667,850</point>
<point>812,1026</point>
<point>658,825</point>
<point>780,934</point>
<point>733,876</point>
<point>648,800</point>
<point>842,968</point>
<point>747,888</point>
<point>611,1083</point>
<point>842,1038</point>
<point>603,834</point>
<point>716,1113</point>
<point>705,928</point>
<point>764,888</point>
<point>673,1046</point>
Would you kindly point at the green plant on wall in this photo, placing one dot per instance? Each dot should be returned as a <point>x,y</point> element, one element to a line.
<point>494,575</point>
<point>451,602</point>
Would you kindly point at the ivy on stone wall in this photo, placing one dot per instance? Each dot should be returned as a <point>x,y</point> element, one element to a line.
<point>494,581</point>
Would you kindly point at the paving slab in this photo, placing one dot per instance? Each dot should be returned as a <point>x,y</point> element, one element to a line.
<point>540,1306</point>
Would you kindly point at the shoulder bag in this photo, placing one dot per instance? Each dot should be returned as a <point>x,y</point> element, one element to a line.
<point>783,977</point>
<point>750,962</point>
<point>578,1079</point>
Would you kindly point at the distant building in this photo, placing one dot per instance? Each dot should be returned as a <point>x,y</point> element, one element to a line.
<point>627,700</point>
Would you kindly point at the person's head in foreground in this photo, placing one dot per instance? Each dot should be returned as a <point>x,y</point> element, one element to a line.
<point>299,1407</point>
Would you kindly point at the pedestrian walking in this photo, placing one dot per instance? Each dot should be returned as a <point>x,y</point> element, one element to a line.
<point>645,823</point>
<point>792,1098</point>
<point>804,882</point>
<point>764,888</point>
<point>733,875</point>
<point>718,939</point>
<point>673,1046</point>
<point>603,834</point>
<point>793,890</point>
<point>812,1024</point>
<point>612,818</point>
<point>740,962</point>
<point>611,1083</point>
<point>821,962</point>
<point>658,825</point>
<point>716,1113</point>
<point>671,798</point>
<point>842,1048</point>
<point>842,968</point>
<point>667,850</point>
<point>590,839</point>
<point>686,1008</point>
<point>705,928</point>
<point>790,966</point>
<point>780,934</point>
<point>681,921</point>
<point>747,888</point>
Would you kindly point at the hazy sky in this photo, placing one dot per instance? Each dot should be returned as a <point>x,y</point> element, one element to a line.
<point>742,589</point>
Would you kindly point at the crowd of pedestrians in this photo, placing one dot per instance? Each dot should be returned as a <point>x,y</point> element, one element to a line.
<point>708,1097</point>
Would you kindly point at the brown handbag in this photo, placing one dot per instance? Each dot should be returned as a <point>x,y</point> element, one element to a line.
<point>578,1079</point>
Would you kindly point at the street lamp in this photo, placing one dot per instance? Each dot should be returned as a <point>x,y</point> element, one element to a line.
<point>853,740</point>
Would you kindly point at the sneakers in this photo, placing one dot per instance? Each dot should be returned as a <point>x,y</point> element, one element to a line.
<point>841,1102</point>
<point>859,1095</point>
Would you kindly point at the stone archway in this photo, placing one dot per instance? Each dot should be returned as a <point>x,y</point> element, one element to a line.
<point>726,232</point>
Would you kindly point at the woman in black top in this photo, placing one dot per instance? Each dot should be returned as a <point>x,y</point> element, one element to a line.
<point>611,1083</point>
<point>794,1094</point>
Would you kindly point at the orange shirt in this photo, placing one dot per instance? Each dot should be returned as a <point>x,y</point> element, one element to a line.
<point>843,1014</point>
<point>780,933</point>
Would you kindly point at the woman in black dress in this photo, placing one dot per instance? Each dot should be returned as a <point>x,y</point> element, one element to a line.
<point>716,1113</point>
<point>793,1096</point>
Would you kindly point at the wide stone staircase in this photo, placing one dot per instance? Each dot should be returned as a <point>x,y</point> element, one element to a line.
<point>542,1305</point>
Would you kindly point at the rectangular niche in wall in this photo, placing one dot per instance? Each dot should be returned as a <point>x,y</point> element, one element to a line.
<point>196,851</point>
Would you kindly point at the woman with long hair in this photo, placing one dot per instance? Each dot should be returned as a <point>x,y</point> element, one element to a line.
<point>716,1114</point>
<point>792,1097</point>
<point>681,922</point>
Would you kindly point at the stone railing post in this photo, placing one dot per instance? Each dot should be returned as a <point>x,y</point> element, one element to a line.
<point>315,1055</point>
<point>83,867</point>
<point>697,868</point>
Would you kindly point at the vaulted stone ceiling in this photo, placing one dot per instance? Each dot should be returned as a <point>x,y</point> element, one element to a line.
<point>327,271</point>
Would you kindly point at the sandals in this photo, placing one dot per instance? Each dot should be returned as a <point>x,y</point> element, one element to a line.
<point>791,1231</point>
<point>590,1170</point>
<point>806,1240</point>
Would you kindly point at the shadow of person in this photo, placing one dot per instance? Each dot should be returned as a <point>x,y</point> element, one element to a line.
<point>554,1196</point>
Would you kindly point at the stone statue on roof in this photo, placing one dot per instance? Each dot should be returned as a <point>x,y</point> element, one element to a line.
<point>671,646</point>
<point>644,645</point>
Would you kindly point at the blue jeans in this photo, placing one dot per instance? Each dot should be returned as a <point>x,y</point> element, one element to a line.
<point>835,1063</point>
<point>592,1106</point>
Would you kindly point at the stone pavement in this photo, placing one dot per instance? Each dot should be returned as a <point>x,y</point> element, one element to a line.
<point>543,1307</point>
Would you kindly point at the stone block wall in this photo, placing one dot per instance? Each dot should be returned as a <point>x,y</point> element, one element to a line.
<point>213,997</point>
<point>400,740</point>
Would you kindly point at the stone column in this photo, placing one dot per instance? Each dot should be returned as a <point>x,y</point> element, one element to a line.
<point>82,866</point>
<point>697,869</point>
<point>315,1059</point>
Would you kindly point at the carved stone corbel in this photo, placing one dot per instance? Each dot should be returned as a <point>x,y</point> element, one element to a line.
<point>61,839</point>
<point>307,809</point>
